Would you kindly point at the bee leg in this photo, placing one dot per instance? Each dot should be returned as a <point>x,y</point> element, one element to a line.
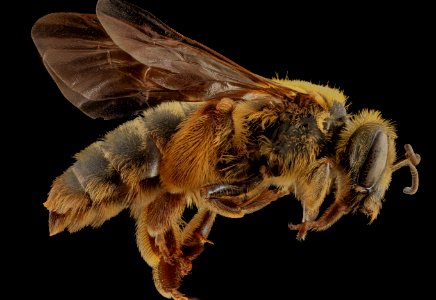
<point>159,240</point>
<point>183,248</point>
<point>346,200</point>
<point>234,201</point>
<point>313,192</point>
<point>195,233</point>
<point>263,199</point>
<point>146,243</point>
<point>219,198</point>
<point>161,215</point>
<point>168,274</point>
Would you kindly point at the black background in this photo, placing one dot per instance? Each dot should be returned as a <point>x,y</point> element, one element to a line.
<point>380,57</point>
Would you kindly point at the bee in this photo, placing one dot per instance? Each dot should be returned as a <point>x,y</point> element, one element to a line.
<point>203,132</point>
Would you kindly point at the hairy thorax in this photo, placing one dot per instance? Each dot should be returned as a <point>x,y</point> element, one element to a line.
<point>227,141</point>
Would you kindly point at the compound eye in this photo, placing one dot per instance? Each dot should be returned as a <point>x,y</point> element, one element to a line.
<point>375,162</point>
<point>368,154</point>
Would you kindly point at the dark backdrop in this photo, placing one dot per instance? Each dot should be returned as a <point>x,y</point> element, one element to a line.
<point>380,57</point>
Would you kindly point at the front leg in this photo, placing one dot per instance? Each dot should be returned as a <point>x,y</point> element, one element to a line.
<point>312,191</point>
<point>341,206</point>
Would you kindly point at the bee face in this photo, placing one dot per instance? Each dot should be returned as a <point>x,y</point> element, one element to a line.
<point>205,132</point>
<point>367,152</point>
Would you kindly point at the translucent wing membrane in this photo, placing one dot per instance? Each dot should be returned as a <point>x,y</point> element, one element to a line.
<point>122,60</point>
<point>91,71</point>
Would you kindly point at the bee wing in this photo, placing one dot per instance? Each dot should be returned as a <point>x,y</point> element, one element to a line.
<point>90,70</point>
<point>123,59</point>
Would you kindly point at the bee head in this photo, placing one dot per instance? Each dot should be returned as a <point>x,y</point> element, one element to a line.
<point>366,150</point>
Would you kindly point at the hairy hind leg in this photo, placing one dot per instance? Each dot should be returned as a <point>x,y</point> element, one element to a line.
<point>196,232</point>
<point>158,237</point>
<point>167,247</point>
<point>184,247</point>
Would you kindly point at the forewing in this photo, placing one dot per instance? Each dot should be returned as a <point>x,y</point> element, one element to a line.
<point>91,71</point>
<point>122,60</point>
<point>176,62</point>
<point>156,45</point>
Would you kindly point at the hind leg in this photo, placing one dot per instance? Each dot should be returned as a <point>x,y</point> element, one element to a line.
<point>158,237</point>
<point>167,247</point>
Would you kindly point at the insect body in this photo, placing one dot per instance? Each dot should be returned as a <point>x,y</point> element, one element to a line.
<point>205,133</point>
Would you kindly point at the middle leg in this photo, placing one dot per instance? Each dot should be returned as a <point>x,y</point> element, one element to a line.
<point>234,201</point>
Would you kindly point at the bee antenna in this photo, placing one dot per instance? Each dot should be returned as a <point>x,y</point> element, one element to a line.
<point>412,160</point>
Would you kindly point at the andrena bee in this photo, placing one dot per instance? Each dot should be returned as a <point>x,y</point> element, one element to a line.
<point>204,132</point>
